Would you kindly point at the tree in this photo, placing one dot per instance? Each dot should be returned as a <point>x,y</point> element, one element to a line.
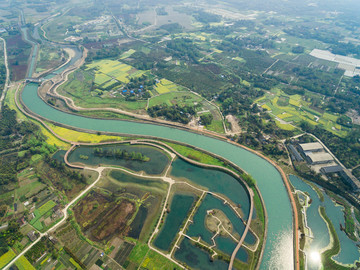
<point>206,119</point>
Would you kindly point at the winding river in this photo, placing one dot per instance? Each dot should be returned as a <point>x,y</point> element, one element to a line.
<point>278,253</point>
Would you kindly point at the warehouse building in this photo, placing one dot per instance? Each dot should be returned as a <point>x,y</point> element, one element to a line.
<point>295,154</point>
<point>318,158</point>
<point>311,147</point>
<point>331,169</point>
<point>348,177</point>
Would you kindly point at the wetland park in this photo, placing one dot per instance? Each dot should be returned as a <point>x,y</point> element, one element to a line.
<point>150,136</point>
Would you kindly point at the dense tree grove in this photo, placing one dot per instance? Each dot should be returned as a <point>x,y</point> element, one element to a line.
<point>206,119</point>
<point>120,154</point>
<point>184,49</point>
<point>174,113</point>
<point>60,166</point>
<point>9,236</point>
<point>14,137</point>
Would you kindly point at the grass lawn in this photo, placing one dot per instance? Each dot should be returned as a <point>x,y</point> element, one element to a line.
<point>217,126</point>
<point>35,158</point>
<point>195,154</point>
<point>105,114</point>
<point>29,189</point>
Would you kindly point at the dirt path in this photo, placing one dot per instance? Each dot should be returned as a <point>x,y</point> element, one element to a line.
<point>7,80</point>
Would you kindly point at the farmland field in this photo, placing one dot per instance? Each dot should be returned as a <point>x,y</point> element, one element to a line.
<point>105,70</point>
<point>176,98</point>
<point>23,264</point>
<point>154,260</point>
<point>127,54</point>
<point>166,86</point>
<point>100,217</point>
<point>40,212</point>
<point>79,88</point>
<point>48,58</point>
<point>294,109</point>
<point>6,258</point>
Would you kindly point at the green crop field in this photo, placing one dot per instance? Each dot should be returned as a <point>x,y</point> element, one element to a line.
<point>29,189</point>
<point>6,258</point>
<point>23,264</point>
<point>165,86</point>
<point>45,208</point>
<point>138,253</point>
<point>127,54</point>
<point>41,211</point>
<point>78,88</point>
<point>154,260</point>
<point>173,98</point>
<point>101,78</point>
<point>105,70</point>
<point>294,109</point>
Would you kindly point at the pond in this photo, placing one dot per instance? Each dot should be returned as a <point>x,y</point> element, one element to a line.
<point>132,179</point>
<point>197,258</point>
<point>198,228</point>
<point>155,166</point>
<point>215,181</point>
<point>138,222</point>
<point>179,209</point>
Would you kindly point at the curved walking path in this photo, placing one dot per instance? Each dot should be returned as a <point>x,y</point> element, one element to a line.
<point>7,80</point>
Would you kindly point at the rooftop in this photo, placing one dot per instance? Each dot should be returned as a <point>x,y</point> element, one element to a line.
<point>332,169</point>
<point>320,157</point>
<point>311,146</point>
